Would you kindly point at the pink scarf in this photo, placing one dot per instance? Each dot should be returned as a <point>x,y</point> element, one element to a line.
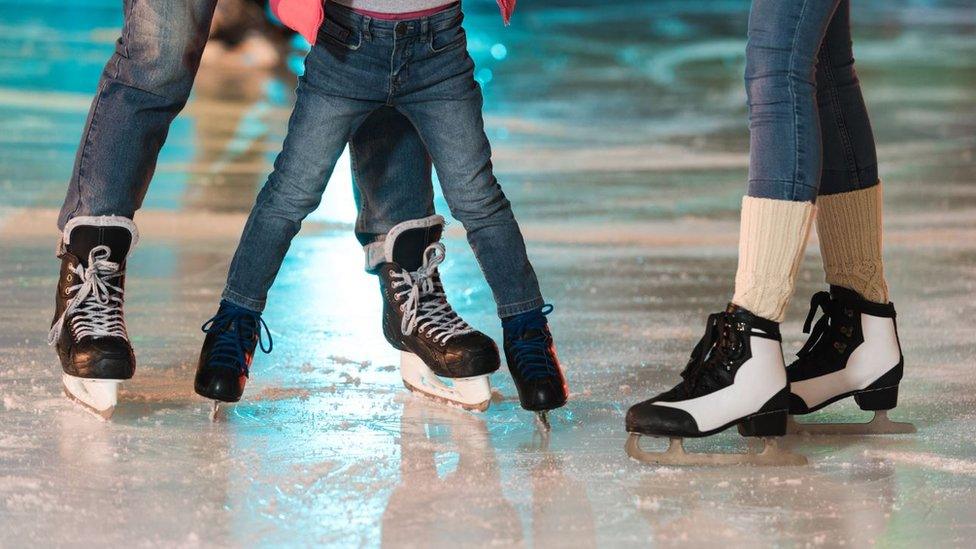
<point>305,16</point>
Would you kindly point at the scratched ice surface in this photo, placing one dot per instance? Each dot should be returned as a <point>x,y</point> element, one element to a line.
<point>619,134</point>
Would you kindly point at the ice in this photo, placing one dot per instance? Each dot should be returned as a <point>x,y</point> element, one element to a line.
<point>619,133</point>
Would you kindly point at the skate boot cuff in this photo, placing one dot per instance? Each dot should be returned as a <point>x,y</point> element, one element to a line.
<point>857,302</point>
<point>381,250</point>
<point>96,221</point>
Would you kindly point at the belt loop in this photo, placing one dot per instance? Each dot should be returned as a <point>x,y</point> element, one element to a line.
<point>425,29</point>
<point>367,21</point>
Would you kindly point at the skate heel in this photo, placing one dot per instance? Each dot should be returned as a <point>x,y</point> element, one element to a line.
<point>877,399</point>
<point>766,424</point>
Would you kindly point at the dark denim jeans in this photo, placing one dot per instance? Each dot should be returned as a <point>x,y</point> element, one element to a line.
<point>809,127</point>
<point>420,68</point>
<point>147,82</point>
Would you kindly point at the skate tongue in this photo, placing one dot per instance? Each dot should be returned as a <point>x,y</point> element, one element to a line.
<point>409,245</point>
<point>83,238</point>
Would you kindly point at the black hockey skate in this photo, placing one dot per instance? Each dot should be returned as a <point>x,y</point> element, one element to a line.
<point>89,329</point>
<point>233,334</point>
<point>735,377</point>
<point>852,350</point>
<point>531,357</point>
<point>434,341</point>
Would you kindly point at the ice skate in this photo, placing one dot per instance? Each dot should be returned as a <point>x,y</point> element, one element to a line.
<point>233,334</point>
<point>89,329</point>
<point>531,356</point>
<point>442,357</point>
<point>852,350</point>
<point>735,377</point>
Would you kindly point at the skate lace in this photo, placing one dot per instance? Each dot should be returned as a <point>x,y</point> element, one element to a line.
<point>819,331</point>
<point>531,355</point>
<point>238,331</point>
<point>721,345</point>
<point>97,305</point>
<point>426,309</point>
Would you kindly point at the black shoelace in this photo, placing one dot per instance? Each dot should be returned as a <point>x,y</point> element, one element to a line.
<point>720,346</point>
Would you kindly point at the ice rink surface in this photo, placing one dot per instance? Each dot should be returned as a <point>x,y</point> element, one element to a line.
<point>620,136</point>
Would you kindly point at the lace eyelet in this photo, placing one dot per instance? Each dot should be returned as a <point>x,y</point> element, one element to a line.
<point>67,291</point>
<point>840,347</point>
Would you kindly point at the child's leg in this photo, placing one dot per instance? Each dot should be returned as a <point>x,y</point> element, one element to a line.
<point>444,103</point>
<point>849,206</point>
<point>318,130</point>
<point>454,133</point>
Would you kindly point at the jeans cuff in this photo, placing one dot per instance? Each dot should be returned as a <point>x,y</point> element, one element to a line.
<point>520,307</point>
<point>256,305</point>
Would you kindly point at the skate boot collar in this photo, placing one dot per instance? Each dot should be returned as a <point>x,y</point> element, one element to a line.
<point>405,243</point>
<point>82,234</point>
<point>742,318</point>
<point>854,300</point>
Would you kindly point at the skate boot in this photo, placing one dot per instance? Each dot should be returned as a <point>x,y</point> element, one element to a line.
<point>225,359</point>
<point>89,330</point>
<point>531,356</point>
<point>853,350</point>
<point>434,341</point>
<point>735,377</point>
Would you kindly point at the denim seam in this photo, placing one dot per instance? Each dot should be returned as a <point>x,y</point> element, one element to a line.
<point>512,309</point>
<point>87,145</point>
<point>793,99</point>
<point>356,178</point>
<point>842,127</point>
<point>242,300</point>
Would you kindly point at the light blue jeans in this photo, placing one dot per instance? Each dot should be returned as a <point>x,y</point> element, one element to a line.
<point>809,129</point>
<point>147,82</point>
<point>421,69</point>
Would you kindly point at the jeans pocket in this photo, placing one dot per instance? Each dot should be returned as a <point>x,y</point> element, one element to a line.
<point>448,37</point>
<point>338,34</point>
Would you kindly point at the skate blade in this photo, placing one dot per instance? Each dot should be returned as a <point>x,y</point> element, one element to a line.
<point>543,420</point>
<point>770,456</point>
<point>471,393</point>
<point>96,396</point>
<point>217,412</point>
<point>880,424</point>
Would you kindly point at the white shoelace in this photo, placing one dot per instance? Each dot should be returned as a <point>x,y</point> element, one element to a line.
<point>98,302</point>
<point>433,316</point>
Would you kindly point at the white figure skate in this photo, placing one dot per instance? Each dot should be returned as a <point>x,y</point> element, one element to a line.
<point>735,377</point>
<point>853,350</point>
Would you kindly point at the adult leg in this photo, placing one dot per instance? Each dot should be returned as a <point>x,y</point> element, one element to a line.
<point>853,348</point>
<point>849,207</point>
<point>391,178</point>
<point>785,150</point>
<point>143,87</point>
<point>736,375</point>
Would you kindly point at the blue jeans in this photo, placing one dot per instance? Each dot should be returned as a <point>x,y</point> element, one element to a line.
<point>147,82</point>
<point>420,68</point>
<point>809,129</point>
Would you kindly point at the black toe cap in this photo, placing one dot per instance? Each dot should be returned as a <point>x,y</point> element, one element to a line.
<point>649,418</point>
<point>102,358</point>
<point>220,383</point>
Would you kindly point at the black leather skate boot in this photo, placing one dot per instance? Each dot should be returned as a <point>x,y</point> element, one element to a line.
<point>88,329</point>
<point>418,320</point>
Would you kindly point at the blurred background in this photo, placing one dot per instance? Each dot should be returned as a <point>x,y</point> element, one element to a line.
<point>619,132</point>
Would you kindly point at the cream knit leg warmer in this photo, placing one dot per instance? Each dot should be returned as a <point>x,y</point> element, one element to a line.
<point>849,228</point>
<point>772,238</point>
